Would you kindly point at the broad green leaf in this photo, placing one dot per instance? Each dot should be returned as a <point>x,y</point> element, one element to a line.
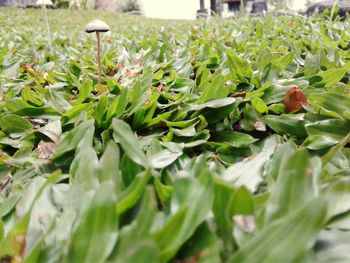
<point>312,64</point>
<point>217,103</point>
<point>332,102</point>
<point>108,168</point>
<point>76,111</point>
<point>129,142</point>
<point>248,172</point>
<point>73,138</point>
<point>260,105</point>
<point>234,139</point>
<point>195,208</point>
<point>216,89</point>
<point>264,59</point>
<point>117,107</point>
<point>164,158</point>
<point>9,203</point>
<point>95,236</point>
<point>84,169</point>
<point>287,124</point>
<point>325,133</point>
<point>223,214</point>
<point>294,186</point>
<point>271,245</point>
<point>138,232</point>
<point>242,202</point>
<point>164,192</point>
<point>13,244</point>
<point>337,194</point>
<point>11,123</point>
<point>278,160</point>
<point>333,76</point>
<point>131,195</point>
<point>240,68</point>
<point>100,110</point>
<point>284,61</point>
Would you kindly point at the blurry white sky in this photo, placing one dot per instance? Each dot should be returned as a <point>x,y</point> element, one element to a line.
<point>182,9</point>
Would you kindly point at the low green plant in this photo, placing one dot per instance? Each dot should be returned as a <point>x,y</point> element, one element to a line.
<point>215,141</point>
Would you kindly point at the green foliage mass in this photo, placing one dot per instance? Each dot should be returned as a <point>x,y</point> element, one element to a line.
<point>188,154</point>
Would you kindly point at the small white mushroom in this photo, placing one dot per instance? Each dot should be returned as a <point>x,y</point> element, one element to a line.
<point>97,26</point>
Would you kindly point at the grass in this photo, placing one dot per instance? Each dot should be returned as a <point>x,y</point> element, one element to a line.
<point>212,141</point>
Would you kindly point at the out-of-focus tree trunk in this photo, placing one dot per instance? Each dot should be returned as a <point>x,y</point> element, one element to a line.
<point>213,6</point>
<point>17,2</point>
<point>106,5</point>
<point>201,4</point>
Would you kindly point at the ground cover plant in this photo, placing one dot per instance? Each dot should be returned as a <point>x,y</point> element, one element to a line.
<point>209,141</point>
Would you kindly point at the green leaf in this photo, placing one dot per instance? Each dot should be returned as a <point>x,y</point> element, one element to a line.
<point>133,193</point>
<point>260,105</point>
<point>325,133</point>
<point>94,238</point>
<point>294,186</point>
<point>287,239</point>
<point>214,104</point>
<point>239,67</point>
<point>129,142</point>
<point>287,124</point>
<point>223,214</point>
<point>22,108</point>
<point>332,102</point>
<point>195,208</point>
<point>264,59</point>
<point>73,138</point>
<point>9,203</point>
<point>312,64</point>
<point>337,194</point>
<point>11,123</point>
<point>76,111</point>
<point>284,61</point>
<point>133,238</point>
<point>13,243</point>
<point>164,158</point>
<point>100,110</point>
<point>164,192</point>
<point>248,172</point>
<point>108,168</point>
<point>117,107</point>
<point>84,169</point>
<point>333,76</point>
<point>242,202</point>
<point>234,139</point>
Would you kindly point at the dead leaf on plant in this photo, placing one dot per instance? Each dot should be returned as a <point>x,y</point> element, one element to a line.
<point>46,150</point>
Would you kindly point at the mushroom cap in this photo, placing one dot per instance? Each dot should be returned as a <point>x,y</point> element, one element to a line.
<point>96,26</point>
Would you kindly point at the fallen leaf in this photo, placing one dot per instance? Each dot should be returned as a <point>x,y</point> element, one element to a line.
<point>294,100</point>
<point>45,150</point>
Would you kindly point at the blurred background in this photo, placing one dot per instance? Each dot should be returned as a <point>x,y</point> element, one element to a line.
<point>171,9</point>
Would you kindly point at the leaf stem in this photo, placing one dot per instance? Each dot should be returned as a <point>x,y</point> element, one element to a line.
<point>99,60</point>
<point>332,152</point>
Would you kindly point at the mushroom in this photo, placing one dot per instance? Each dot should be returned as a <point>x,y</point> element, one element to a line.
<point>97,26</point>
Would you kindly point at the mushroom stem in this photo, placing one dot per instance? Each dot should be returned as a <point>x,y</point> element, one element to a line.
<point>99,59</point>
